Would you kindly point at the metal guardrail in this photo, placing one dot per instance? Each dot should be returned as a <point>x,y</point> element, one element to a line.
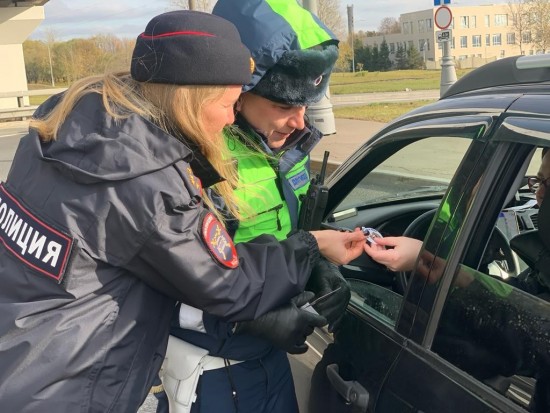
<point>17,114</point>
<point>22,112</point>
<point>36,92</point>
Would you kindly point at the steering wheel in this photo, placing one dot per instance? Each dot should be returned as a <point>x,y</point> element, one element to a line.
<point>498,258</point>
<point>417,229</point>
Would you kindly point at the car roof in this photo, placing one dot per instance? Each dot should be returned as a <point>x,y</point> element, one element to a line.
<point>492,89</point>
<point>520,74</point>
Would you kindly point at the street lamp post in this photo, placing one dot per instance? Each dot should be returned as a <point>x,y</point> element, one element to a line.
<point>311,5</point>
<point>51,67</point>
<point>424,52</point>
<point>350,35</point>
<point>320,114</point>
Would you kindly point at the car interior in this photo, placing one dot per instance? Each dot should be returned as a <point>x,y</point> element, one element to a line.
<point>412,216</point>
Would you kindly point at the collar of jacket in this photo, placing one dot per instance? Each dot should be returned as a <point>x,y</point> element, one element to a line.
<point>202,167</point>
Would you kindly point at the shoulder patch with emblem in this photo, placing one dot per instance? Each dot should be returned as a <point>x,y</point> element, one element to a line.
<point>218,241</point>
<point>31,240</point>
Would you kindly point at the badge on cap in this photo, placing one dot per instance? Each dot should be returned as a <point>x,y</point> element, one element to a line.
<point>218,241</point>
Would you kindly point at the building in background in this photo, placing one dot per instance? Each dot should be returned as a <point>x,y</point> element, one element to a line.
<point>17,21</point>
<point>480,34</point>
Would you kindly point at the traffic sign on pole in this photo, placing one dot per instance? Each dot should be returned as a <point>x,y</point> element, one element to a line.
<point>443,36</point>
<point>437,2</point>
<point>443,17</point>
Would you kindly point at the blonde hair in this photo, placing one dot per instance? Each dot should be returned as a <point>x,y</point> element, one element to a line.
<point>175,109</point>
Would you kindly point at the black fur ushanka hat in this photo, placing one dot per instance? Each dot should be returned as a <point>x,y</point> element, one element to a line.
<point>293,51</point>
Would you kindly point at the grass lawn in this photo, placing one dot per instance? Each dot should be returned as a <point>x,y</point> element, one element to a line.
<point>360,82</point>
<point>392,81</point>
<point>37,100</point>
<point>378,112</point>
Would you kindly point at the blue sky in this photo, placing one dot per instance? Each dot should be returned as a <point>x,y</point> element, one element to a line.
<point>68,19</point>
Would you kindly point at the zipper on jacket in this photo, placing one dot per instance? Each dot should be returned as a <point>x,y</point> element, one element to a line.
<point>276,208</point>
<point>275,166</point>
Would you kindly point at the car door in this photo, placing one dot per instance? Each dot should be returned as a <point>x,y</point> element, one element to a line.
<point>486,341</point>
<point>379,187</point>
<point>452,343</point>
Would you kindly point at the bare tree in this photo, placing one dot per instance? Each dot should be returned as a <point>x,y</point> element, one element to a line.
<point>50,42</point>
<point>201,5</point>
<point>520,21</point>
<point>389,25</point>
<point>539,23</point>
<point>328,12</point>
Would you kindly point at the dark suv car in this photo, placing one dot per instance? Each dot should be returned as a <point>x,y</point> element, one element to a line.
<point>453,174</point>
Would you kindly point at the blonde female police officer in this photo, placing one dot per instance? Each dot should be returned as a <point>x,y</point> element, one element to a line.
<point>105,223</point>
<point>270,141</point>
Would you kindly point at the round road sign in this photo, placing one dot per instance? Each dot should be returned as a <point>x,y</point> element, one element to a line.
<point>443,17</point>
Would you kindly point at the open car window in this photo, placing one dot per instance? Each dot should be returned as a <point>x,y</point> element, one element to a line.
<point>421,169</point>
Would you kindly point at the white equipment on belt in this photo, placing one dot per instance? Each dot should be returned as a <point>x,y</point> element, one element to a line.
<point>181,370</point>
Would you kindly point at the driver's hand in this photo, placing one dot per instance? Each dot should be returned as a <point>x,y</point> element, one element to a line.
<point>396,253</point>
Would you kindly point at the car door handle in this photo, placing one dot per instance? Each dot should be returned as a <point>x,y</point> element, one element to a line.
<point>352,391</point>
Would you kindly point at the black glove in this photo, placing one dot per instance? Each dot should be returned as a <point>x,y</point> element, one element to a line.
<point>325,277</point>
<point>287,327</point>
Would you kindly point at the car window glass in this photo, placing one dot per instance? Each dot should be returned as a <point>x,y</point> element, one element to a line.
<point>376,300</point>
<point>495,324</point>
<point>497,333</point>
<point>421,169</point>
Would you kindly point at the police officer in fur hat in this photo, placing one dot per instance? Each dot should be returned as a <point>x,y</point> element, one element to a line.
<point>271,139</point>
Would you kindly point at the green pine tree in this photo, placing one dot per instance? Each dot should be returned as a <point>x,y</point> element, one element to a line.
<point>414,59</point>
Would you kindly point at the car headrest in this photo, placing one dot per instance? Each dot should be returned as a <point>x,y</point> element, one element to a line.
<point>544,220</point>
<point>527,245</point>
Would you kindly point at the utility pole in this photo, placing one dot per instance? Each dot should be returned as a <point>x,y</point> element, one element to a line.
<point>50,41</point>
<point>443,18</point>
<point>424,46</point>
<point>51,67</point>
<point>320,114</point>
<point>311,5</point>
<point>448,73</point>
<point>192,5</point>
<point>351,36</point>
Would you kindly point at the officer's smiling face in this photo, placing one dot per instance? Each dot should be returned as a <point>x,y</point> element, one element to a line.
<point>276,121</point>
<point>220,113</point>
